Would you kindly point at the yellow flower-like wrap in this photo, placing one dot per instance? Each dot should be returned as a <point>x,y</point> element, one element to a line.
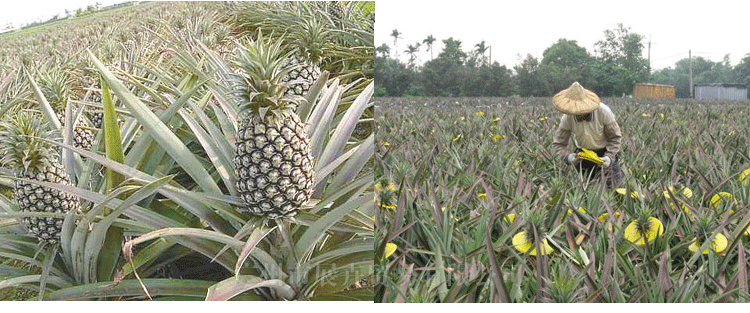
<point>603,218</point>
<point>580,209</point>
<point>720,199</point>
<point>633,194</point>
<point>443,209</point>
<point>522,243</point>
<point>390,248</point>
<point>745,177</point>
<point>589,155</point>
<point>719,244</point>
<point>390,186</point>
<point>655,229</point>
<point>510,218</point>
<point>685,192</point>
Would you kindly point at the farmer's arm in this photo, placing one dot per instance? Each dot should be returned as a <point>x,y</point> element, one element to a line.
<point>613,135</point>
<point>562,137</point>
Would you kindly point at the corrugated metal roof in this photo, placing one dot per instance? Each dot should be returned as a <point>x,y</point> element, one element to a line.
<point>741,86</point>
<point>721,92</point>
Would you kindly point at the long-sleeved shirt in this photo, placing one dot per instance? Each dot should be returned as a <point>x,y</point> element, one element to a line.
<point>601,131</point>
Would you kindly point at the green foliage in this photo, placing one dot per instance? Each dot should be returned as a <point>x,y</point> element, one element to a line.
<point>611,71</point>
<point>704,71</point>
<point>393,76</point>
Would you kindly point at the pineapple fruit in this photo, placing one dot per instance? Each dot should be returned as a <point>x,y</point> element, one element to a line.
<point>273,161</point>
<point>336,11</point>
<point>26,151</point>
<point>304,63</point>
<point>302,75</point>
<point>55,87</point>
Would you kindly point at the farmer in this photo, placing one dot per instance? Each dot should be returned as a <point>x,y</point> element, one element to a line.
<point>593,127</point>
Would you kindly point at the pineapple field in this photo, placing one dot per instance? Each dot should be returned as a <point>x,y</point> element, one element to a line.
<point>189,151</point>
<point>474,205</point>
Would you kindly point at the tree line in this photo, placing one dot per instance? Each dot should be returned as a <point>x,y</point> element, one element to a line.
<point>611,71</point>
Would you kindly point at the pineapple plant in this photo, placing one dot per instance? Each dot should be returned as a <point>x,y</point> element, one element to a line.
<point>523,241</point>
<point>705,226</point>
<point>27,152</point>
<point>54,85</point>
<point>272,160</point>
<point>304,63</point>
<point>88,79</point>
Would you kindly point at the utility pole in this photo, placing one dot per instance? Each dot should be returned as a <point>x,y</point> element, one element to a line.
<point>490,55</point>
<point>649,55</point>
<point>690,56</point>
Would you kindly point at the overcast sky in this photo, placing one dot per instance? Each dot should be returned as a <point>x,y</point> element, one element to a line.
<point>710,29</point>
<point>27,11</point>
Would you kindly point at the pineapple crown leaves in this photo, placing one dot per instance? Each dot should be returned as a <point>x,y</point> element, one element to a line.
<point>705,223</point>
<point>259,84</point>
<point>54,86</point>
<point>25,143</point>
<point>311,38</point>
<point>534,218</point>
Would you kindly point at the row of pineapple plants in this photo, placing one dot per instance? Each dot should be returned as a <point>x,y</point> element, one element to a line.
<point>474,206</point>
<point>206,149</point>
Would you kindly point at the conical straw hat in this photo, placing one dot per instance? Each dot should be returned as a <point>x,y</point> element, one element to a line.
<point>575,100</point>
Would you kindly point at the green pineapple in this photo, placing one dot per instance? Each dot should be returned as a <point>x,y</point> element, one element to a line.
<point>26,151</point>
<point>54,86</point>
<point>96,116</point>
<point>302,77</point>
<point>308,46</point>
<point>273,161</point>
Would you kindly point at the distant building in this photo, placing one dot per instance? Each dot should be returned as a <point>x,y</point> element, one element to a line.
<point>7,27</point>
<point>720,92</point>
<point>653,91</point>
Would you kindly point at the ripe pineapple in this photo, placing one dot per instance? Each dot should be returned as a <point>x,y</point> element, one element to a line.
<point>273,161</point>
<point>54,86</point>
<point>26,152</point>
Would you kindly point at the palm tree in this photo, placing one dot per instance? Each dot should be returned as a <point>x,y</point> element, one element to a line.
<point>384,50</point>
<point>428,41</point>
<point>412,51</point>
<point>396,35</point>
<point>481,48</point>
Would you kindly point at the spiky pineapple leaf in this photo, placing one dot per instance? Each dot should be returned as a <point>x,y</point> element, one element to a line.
<point>133,288</point>
<point>109,247</point>
<point>112,143</point>
<point>319,227</point>
<point>360,294</point>
<point>233,286</point>
<point>160,132</point>
<point>44,106</point>
<point>255,237</point>
<point>344,129</point>
<point>104,237</point>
